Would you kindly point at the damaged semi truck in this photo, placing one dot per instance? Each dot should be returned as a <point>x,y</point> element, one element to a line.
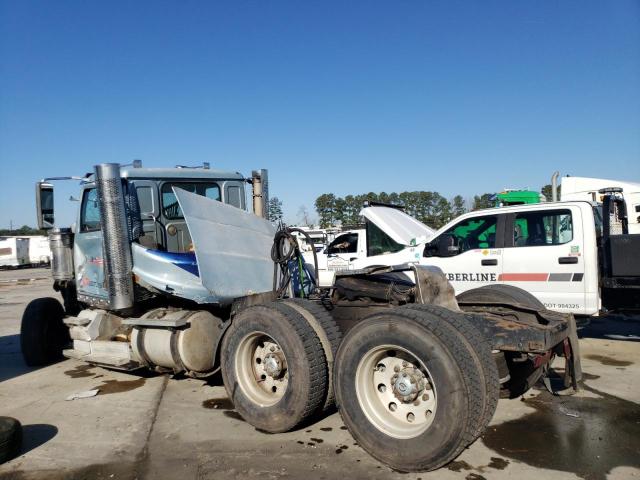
<point>166,269</point>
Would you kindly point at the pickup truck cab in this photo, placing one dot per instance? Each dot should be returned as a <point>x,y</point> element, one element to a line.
<point>548,249</point>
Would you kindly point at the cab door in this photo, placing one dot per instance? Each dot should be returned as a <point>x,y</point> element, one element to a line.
<point>342,252</point>
<point>88,255</point>
<point>474,258</point>
<point>544,254</point>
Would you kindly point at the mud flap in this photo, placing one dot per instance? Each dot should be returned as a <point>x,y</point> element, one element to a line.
<point>573,366</point>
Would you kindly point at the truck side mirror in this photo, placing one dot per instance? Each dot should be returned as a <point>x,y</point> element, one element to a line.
<point>447,245</point>
<point>44,205</point>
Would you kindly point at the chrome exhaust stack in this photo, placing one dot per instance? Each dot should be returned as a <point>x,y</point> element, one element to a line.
<point>116,243</point>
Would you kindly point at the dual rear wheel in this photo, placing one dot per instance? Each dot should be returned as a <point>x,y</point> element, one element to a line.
<point>415,385</point>
<point>276,363</point>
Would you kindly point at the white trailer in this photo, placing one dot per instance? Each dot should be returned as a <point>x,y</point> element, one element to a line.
<point>583,188</point>
<point>39,250</point>
<point>14,252</point>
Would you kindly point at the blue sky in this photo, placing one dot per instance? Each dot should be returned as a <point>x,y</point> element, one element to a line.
<point>343,97</point>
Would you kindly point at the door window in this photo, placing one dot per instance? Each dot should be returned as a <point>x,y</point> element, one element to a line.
<point>145,199</point>
<point>233,196</point>
<point>473,233</point>
<point>543,227</point>
<point>170,206</point>
<point>347,243</point>
<point>89,211</point>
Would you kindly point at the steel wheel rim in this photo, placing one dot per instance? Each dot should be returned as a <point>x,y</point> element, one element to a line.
<point>380,386</point>
<point>254,366</point>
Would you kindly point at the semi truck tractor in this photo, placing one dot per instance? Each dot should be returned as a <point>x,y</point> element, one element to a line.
<point>166,269</point>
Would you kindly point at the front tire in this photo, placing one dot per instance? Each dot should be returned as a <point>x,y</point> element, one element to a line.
<point>273,367</point>
<point>408,389</point>
<point>10,438</point>
<point>43,334</point>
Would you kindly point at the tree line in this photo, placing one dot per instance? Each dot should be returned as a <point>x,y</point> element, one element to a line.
<point>430,208</point>
<point>23,230</point>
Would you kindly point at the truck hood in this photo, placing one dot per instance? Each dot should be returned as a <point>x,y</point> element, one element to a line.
<point>232,247</point>
<point>402,228</point>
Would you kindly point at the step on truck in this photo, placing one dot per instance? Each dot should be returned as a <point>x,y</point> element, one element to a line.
<point>166,269</point>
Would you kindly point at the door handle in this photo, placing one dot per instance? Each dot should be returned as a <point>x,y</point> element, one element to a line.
<point>567,260</point>
<point>489,262</point>
<point>353,259</point>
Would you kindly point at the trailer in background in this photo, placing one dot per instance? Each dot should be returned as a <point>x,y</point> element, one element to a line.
<point>39,250</point>
<point>14,252</point>
<point>588,189</point>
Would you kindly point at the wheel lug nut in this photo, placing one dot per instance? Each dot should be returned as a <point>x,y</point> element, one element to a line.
<point>273,349</point>
<point>425,397</point>
<point>404,364</point>
<point>416,403</point>
<point>396,368</point>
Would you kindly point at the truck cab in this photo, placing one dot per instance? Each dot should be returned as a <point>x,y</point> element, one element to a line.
<point>152,228</point>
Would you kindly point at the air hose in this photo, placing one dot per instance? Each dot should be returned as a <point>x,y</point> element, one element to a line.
<point>285,249</point>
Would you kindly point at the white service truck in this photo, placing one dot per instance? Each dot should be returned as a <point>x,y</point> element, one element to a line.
<point>560,252</point>
<point>351,249</point>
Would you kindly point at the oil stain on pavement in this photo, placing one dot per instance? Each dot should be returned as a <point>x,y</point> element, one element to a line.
<point>108,387</point>
<point>609,361</point>
<point>80,371</point>
<point>225,405</point>
<point>585,436</point>
<point>218,404</point>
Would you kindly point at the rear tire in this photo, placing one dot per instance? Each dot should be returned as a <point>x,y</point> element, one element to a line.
<point>481,351</point>
<point>273,367</point>
<point>43,334</point>
<point>440,368</point>
<point>10,438</point>
<point>328,333</point>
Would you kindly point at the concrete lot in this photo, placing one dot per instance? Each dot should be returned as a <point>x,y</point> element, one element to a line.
<point>157,427</point>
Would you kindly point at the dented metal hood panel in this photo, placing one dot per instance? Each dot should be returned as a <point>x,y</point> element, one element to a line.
<point>402,228</point>
<point>232,246</point>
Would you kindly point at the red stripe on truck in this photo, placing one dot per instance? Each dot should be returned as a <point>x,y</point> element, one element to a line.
<point>523,277</point>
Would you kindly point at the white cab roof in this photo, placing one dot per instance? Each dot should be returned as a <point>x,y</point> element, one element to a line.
<point>402,228</point>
